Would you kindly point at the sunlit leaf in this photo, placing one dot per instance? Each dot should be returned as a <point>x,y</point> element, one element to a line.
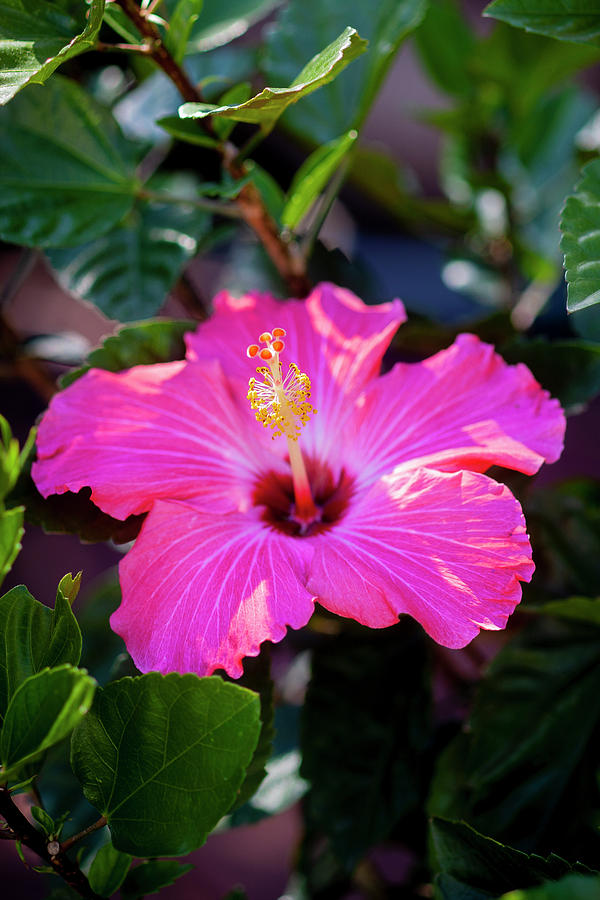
<point>36,36</point>
<point>580,225</point>
<point>266,107</point>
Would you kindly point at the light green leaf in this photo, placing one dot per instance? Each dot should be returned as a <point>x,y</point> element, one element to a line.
<point>150,877</point>
<point>11,532</point>
<point>45,820</point>
<point>580,243</point>
<point>568,20</point>
<point>304,26</point>
<point>162,757</point>
<point>571,887</point>
<point>265,108</point>
<point>33,637</point>
<point>313,175</point>
<point>36,36</point>
<point>181,22</point>
<point>237,94</point>
<point>43,711</point>
<point>128,272</point>
<point>67,174</point>
<point>108,870</point>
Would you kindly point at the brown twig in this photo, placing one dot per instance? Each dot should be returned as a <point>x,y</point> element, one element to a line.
<point>23,831</point>
<point>284,255</point>
<point>99,823</point>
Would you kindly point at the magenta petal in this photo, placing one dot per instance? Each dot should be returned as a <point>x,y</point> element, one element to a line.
<point>448,549</point>
<point>462,408</point>
<point>169,430</point>
<point>201,591</point>
<point>335,338</point>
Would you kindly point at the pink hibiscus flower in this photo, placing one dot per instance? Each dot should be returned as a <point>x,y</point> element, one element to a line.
<point>379,508</point>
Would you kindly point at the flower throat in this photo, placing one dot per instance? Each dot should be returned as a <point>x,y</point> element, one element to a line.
<point>283,404</point>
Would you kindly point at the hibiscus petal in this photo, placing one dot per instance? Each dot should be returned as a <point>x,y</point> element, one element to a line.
<point>462,408</point>
<point>169,430</point>
<point>449,549</point>
<point>335,338</point>
<point>201,592</point>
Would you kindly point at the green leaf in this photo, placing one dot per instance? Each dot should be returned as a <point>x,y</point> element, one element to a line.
<point>151,876</point>
<point>580,226</point>
<point>108,870</point>
<point>37,36</point>
<point>186,130</point>
<point>265,108</point>
<point>181,22</point>
<point>475,866</point>
<point>580,609</point>
<point>445,42</point>
<point>302,28</point>
<point>257,677</point>
<point>313,175</point>
<point>162,757</point>
<point>368,706</point>
<point>45,820</point>
<point>237,94</point>
<point>11,532</point>
<point>569,369</point>
<point>43,710</point>
<point>136,345</point>
<point>522,758</point>
<point>222,22</point>
<point>571,887</point>
<point>11,458</point>
<point>66,173</point>
<point>33,638</point>
<point>567,20</point>
<point>128,272</point>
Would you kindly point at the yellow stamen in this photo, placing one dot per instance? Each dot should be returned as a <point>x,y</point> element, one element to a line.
<point>283,404</point>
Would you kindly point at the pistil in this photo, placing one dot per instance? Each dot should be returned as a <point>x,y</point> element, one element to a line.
<point>283,405</point>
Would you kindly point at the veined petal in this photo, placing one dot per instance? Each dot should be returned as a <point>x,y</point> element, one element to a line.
<point>449,549</point>
<point>462,408</point>
<point>200,592</point>
<point>168,430</point>
<point>335,338</point>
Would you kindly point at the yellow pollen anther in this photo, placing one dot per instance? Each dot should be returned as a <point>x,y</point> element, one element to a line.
<point>281,403</point>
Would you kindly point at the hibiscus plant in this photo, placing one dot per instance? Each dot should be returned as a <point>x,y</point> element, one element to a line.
<point>336,602</point>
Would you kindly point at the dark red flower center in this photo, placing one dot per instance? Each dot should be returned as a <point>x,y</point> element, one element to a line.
<point>275,493</point>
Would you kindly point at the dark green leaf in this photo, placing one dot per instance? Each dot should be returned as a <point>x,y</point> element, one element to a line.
<point>522,757</point>
<point>239,93</point>
<point>257,677</point>
<point>108,870</point>
<point>304,27</point>
<point>103,650</point>
<point>222,22</point>
<point>11,532</point>
<point>37,36</point>
<point>568,20</point>
<point>129,271</point>
<point>580,226</point>
<point>151,876</point>
<point>313,175</point>
<point>445,42</point>
<point>163,758</point>
<point>181,22</point>
<point>186,130</point>
<point>42,711</point>
<point>475,866</point>
<point>580,609</point>
<point>365,732</point>
<point>33,637</point>
<point>266,107</point>
<point>136,345</point>
<point>571,887</point>
<point>569,370</point>
<point>564,523</point>
<point>66,172</point>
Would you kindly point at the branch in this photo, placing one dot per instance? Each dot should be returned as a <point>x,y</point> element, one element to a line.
<point>23,831</point>
<point>100,823</point>
<point>284,255</point>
